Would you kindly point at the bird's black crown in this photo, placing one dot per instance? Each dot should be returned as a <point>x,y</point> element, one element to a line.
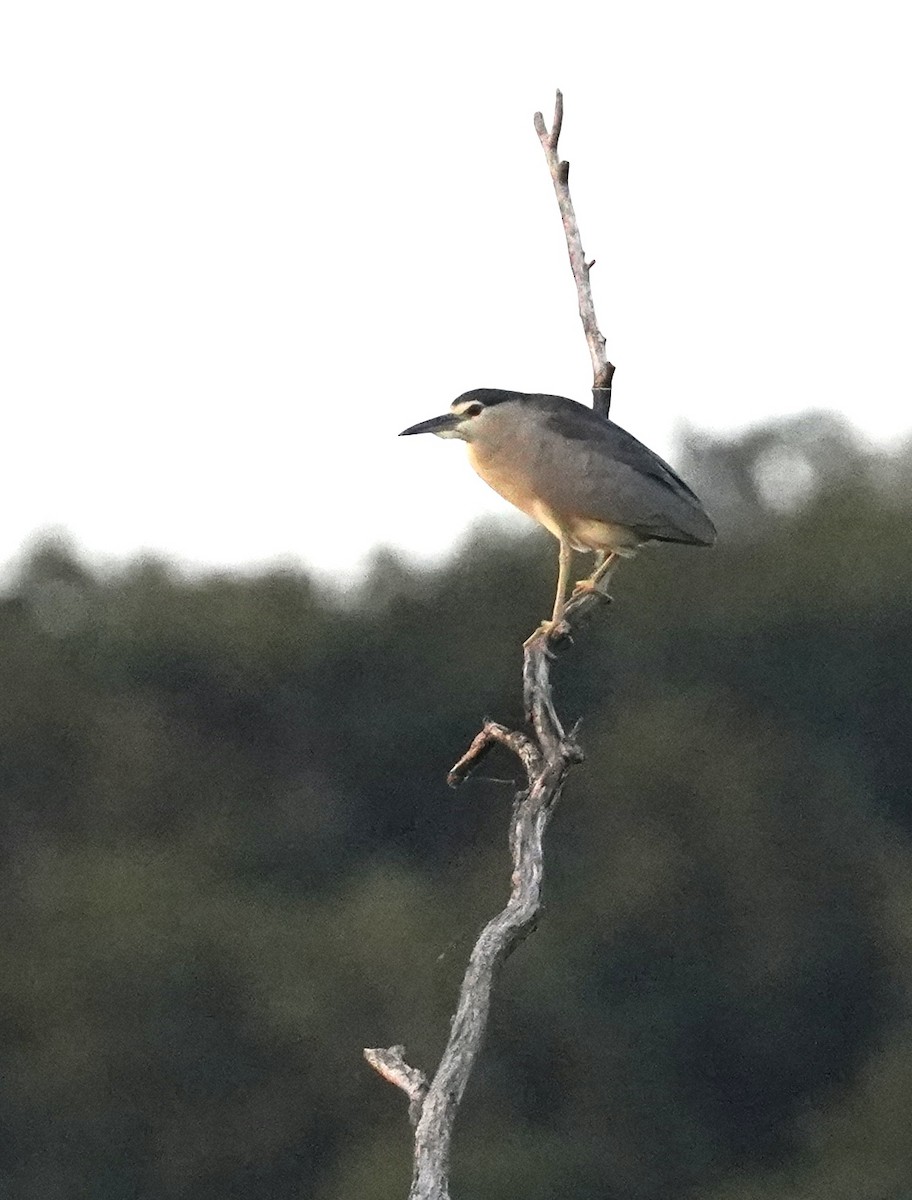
<point>487,396</point>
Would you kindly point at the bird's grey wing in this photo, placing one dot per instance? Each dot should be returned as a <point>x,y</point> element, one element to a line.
<point>605,473</point>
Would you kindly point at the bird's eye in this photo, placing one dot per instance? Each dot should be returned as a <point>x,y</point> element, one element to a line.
<point>473,410</point>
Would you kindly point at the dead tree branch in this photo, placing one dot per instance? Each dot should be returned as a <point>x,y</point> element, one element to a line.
<point>546,758</point>
<point>547,754</point>
<point>602,369</point>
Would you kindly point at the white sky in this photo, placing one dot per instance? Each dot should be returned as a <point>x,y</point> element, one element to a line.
<point>242,245</point>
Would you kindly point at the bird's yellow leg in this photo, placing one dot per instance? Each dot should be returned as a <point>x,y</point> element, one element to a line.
<point>564,560</point>
<point>602,571</point>
<point>563,574</point>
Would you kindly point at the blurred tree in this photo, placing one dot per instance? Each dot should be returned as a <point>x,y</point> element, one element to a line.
<point>229,860</point>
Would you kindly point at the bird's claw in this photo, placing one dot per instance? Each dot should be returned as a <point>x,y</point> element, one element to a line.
<point>585,587</point>
<point>545,631</point>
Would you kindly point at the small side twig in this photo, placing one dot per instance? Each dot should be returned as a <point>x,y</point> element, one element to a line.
<point>491,735</point>
<point>392,1066</point>
<point>602,369</point>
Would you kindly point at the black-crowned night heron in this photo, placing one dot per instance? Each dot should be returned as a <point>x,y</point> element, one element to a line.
<point>589,482</point>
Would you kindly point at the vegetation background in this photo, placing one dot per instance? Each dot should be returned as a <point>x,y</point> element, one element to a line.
<point>230,861</point>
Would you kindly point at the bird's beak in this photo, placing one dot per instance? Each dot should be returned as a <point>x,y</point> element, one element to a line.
<point>443,426</point>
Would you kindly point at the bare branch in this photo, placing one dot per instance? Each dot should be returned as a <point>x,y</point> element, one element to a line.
<point>602,369</point>
<point>547,754</point>
<point>546,758</point>
<point>492,734</point>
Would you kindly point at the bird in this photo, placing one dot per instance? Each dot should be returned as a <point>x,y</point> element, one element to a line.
<point>589,482</point>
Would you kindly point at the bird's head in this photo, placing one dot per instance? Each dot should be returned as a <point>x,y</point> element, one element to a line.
<point>466,418</point>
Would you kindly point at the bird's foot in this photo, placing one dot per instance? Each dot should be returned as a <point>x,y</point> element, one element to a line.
<point>583,586</point>
<point>547,630</point>
<point>589,587</point>
<point>544,631</point>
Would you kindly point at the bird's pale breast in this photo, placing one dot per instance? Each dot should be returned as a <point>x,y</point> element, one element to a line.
<point>585,533</point>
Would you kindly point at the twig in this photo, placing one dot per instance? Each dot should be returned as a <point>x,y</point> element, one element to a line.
<point>392,1066</point>
<point>602,369</point>
<point>492,734</point>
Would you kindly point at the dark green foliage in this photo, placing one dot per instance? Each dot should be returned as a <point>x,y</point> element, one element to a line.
<point>229,861</point>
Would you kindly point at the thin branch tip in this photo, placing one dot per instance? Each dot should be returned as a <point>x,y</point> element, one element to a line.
<point>560,177</point>
<point>558,116</point>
